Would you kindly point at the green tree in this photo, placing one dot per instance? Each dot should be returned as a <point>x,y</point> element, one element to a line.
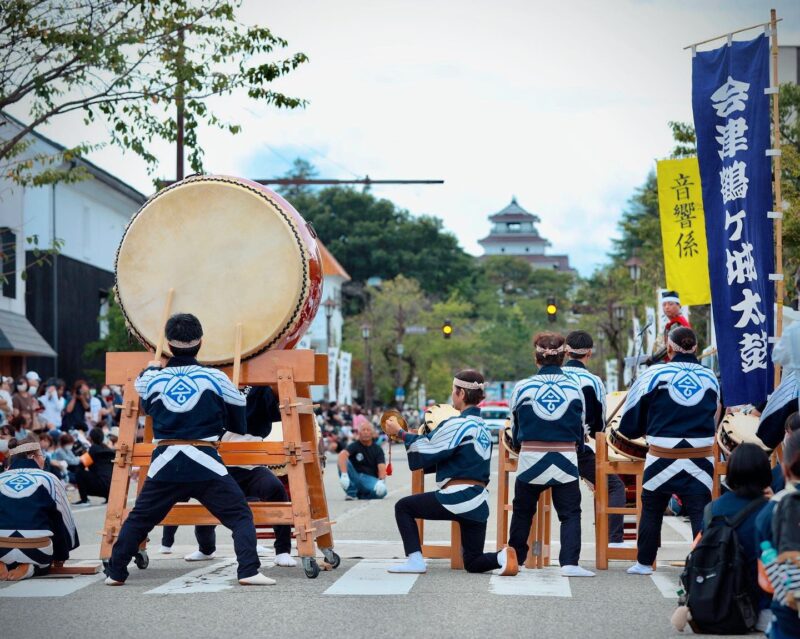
<point>126,63</point>
<point>118,339</point>
<point>373,238</point>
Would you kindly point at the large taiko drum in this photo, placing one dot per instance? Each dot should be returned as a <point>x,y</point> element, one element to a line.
<point>234,252</point>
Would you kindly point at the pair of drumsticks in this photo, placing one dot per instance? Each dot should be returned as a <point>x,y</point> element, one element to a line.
<point>237,352</point>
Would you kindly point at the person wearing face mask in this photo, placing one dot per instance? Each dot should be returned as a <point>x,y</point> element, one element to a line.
<point>6,403</point>
<point>33,507</point>
<point>25,404</point>
<point>78,410</point>
<point>53,407</point>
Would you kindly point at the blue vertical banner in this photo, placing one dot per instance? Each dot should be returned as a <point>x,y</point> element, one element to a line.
<point>732,122</point>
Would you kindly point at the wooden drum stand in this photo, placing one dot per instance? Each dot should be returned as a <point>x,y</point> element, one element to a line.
<point>289,373</point>
<point>539,539</point>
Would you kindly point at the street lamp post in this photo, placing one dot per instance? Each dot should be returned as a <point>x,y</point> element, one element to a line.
<point>619,316</point>
<point>398,380</point>
<point>365,328</point>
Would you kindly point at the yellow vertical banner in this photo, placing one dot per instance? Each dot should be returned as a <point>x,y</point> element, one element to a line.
<point>683,230</point>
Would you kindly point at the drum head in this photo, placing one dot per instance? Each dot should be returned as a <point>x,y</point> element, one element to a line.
<point>233,252</point>
<point>436,414</point>
<point>740,429</point>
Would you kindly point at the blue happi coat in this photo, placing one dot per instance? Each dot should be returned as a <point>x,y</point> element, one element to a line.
<point>594,395</point>
<point>459,448</point>
<point>33,503</point>
<point>548,407</point>
<point>189,401</point>
<point>674,405</point>
<point>782,403</point>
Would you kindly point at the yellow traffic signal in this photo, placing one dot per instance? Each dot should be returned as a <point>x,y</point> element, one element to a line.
<point>552,309</point>
<point>447,329</point>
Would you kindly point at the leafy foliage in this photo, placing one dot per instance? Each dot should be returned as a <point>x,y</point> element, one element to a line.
<point>126,62</point>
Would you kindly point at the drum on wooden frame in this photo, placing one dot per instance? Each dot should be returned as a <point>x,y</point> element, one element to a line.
<point>234,252</point>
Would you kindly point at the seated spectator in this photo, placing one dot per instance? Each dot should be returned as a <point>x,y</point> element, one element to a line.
<point>792,426</point>
<point>58,468</point>
<point>749,476</point>
<point>359,420</point>
<point>17,426</point>
<point>25,405</point>
<point>362,468</point>
<point>6,402</point>
<point>785,622</point>
<point>96,478</point>
<point>5,436</point>
<point>64,454</point>
<point>78,409</point>
<point>34,507</point>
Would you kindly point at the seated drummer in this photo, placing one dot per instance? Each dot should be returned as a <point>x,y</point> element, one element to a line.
<point>460,449</point>
<point>675,406</point>
<point>33,504</point>
<point>547,423</point>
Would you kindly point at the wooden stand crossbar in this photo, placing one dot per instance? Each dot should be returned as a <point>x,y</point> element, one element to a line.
<point>290,374</point>
<point>605,467</point>
<point>720,470</point>
<point>539,538</point>
<point>437,551</point>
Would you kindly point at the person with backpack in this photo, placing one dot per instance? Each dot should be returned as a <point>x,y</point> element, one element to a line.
<point>720,577</point>
<point>779,525</point>
<point>675,405</point>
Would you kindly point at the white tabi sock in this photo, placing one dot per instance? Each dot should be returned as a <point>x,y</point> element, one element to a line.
<point>502,558</point>
<point>199,556</point>
<point>415,563</point>
<point>640,569</point>
<point>575,571</point>
<point>285,560</point>
<point>262,551</point>
<point>257,580</point>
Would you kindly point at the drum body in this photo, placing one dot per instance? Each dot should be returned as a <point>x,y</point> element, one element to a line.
<point>738,428</point>
<point>633,449</point>
<point>234,252</point>
<point>435,415</point>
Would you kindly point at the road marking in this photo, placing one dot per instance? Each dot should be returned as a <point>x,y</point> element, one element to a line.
<point>369,577</point>
<point>667,584</point>
<point>214,578</point>
<point>545,582</point>
<point>49,587</point>
<point>680,527</point>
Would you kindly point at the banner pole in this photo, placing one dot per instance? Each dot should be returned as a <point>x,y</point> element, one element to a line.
<point>777,187</point>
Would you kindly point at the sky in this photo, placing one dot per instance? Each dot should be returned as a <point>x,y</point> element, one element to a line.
<point>563,104</point>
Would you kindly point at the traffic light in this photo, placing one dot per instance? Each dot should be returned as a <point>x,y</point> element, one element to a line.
<point>552,309</point>
<point>447,329</point>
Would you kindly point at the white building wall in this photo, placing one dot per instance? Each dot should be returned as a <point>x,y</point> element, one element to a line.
<point>317,332</point>
<point>11,217</point>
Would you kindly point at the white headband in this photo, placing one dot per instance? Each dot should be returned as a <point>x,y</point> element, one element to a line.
<point>468,385</point>
<point>578,351</point>
<point>671,298</point>
<point>177,344</point>
<point>25,448</point>
<point>678,349</point>
<point>549,351</point>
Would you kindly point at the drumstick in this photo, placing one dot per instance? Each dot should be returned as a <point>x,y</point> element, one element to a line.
<point>165,317</point>
<point>237,355</point>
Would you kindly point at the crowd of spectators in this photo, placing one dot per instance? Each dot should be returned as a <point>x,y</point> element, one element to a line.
<point>76,427</point>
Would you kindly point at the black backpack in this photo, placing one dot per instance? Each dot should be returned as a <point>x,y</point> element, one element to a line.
<point>718,580</point>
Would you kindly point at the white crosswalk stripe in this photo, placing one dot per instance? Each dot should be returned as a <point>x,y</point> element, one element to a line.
<point>666,584</point>
<point>49,587</point>
<point>545,582</point>
<point>369,577</point>
<point>210,578</point>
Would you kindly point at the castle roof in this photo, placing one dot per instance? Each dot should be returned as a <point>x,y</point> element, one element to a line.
<point>514,213</point>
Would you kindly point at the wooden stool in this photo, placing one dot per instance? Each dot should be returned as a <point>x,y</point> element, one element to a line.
<point>720,469</point>
<point>605,467</point>
<point>437,551</point>
<point>539,538</point>
<point>57,567</point>
<point>290,374</point>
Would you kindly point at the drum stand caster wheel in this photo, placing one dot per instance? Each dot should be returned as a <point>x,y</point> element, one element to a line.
<point>331,557</point>
<point>310,567</point>
<point>141,559</point>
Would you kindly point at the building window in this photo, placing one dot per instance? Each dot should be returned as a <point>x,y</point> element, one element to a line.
<point>8,259</point>
<point>514,227</point>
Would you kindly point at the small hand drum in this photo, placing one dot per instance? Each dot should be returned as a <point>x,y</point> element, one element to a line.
<point>435,415</point>
<point>400,420</point>
<point>508,441</point>
<point>633,449</point>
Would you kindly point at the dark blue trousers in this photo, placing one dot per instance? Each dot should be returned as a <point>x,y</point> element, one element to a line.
<point>653,506</point>
<point>258,484</point>
<point>587,467</point>
<point>566,501</point>
<point>223,498</point>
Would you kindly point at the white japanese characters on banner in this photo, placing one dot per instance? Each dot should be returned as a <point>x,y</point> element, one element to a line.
<point>333,360</point>
<point>650,335</point>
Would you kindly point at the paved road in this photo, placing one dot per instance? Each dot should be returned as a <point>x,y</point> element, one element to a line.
<point>178,599</point>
